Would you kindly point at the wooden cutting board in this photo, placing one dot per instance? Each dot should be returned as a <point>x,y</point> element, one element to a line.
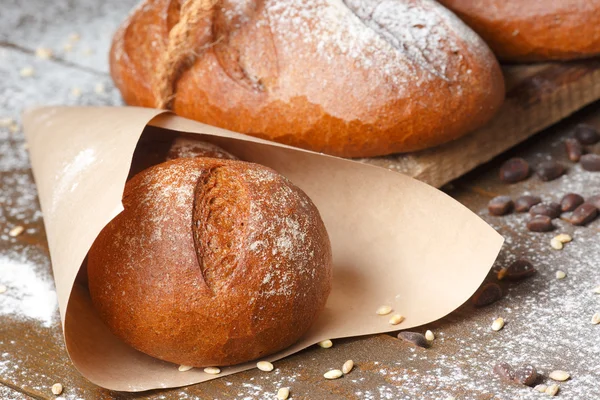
<point>537,96</point>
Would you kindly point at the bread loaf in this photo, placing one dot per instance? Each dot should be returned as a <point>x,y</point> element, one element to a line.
<point>212,262</point>
<point>539,30</point>
<point>351,78</point>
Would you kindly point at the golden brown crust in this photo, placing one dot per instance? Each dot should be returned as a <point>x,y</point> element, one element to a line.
<point>212,262</point>
<point>534,30</point>
<point>354,78</point>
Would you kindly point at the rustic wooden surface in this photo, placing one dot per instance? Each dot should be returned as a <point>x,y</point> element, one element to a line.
<point>547,320</point>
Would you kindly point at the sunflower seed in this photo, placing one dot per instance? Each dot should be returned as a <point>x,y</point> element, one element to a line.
<point>264,366</point>
<point>561,274</point>
<point>552,389</point>
<point>556,244</point>
<point>333,374</point>
<point>541,388</point>
<point>183,368</point>
<point>559,375</point>
<point>498,324</point>
<point>283,393</point>
<point>596,319</point>
<point>325,344</point>
<point>212,370</point>
<point>396,319</point>
<point>347,367</point>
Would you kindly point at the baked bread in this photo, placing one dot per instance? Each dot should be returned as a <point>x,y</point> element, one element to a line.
<point>351,78</point>
<point>539,30</point>
<point>212,262</point>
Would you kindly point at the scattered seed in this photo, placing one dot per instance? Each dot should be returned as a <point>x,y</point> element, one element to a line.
<point>264,366</point>
<point>26,72</point>
<point>283,393</point>
<point>505,371</point>
<point>520,269</point>
<point>16,231</point>
<point>99,88</point>
<point>500,205</point>
<point>584,214</point>
<point>596,290</point>
<point>574,149</point>
<point>43,53</point>
<point>552,210</point>
<point>488,294</point>
<point>561,274</point>
<point>556,244</point>
<point>396,319</point>
<point>75,92</point>
<point>74,37</point>
<point>552,390</point>
<point>183,368</point>
<point>596,319</point>
<point>57,389</point>
<point>429,336</point>
<point>498,324</point>
<point>3,289</point>
<point>540,223</point>
<point>550,170</point>
<point>524,203</point>
<point>541,388</point>
<point>384,310</point>
<point>514,170</point>
<point>501,273</point>
<point>414,338</point>
<point>212,370</point>
<point>526,375</point>
<point>559,375</point>
<point>333,374</point>
<point>570,201</point>
<point>586,134</point>
<point>347,367</point>
<point>325,344</point>
<point>563,238</point>
<point>590,162</point>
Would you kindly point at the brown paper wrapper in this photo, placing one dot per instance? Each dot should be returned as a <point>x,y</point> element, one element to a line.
<point>395,240</point>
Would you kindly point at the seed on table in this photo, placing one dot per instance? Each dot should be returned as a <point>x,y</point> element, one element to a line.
<point>541,388</point>
<point>3,289</point>
<point>396,319</point>
<point>583,214</point>
<point>590,162</point>
<point>414,338</point>
<point>501,273</point>
<point>586,134</point>
<point>550,170</point>
<point>212,370</point>
<point>57,389</point>
<point>488,294</point>
<point>559,375</point>
<point>524,203</point>
<point>384,310</point>
<point>552,390</point>
<point>504,371</point>
<point>520,269</point>
<point>183,368</point>
<point>561,274</point>
<point>500,205</point>
<point>498,324</point>
<point>347,367</point>
<point>325,344</point>
<point>595,201</point>
<point>570,201</point>
<point>16,231</point>
<point>556,244</point>
<point>429,336</point>
<point>563,237</point>
<point>552,210</point>
<point>540,223</point>
<point>526,375</point>
<point>333,374</point>
<point>596,319</point>
<point>283,393</point>
<point>264,366</point>
<point>574,149</point>
<point>596,290</point>
<point>514,170</point>
<point>26,72</point>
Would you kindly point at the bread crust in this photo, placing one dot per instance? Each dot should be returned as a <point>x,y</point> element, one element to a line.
<point>212,262</point>
<point>351,78</point>
<point>523,31</point>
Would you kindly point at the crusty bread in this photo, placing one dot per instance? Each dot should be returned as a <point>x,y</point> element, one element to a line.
<point>351,78</point>
<point>518,30</point>
<point>212,262</point>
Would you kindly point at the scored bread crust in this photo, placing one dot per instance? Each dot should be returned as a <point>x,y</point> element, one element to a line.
<point>352,78</point>
<point>523,31</point>
<point>212,262</point>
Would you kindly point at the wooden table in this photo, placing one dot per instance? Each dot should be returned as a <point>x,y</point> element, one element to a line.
<point>548,320</point>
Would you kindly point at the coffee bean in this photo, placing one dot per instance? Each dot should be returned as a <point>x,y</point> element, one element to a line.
<point>584,214</point>
<point>570,201</point>
<point>526,375</point>
<point>540,223</point>
<point>415,338</point>
<point>586,134</point>
<point>504,371</point>
<point>519,270</point>
<point>552,210</point>
<point>574,149</point>
<point>500,205</point>
<point>514,170</point>
<point>487,294</point>
<point>590,162</point>
<point>550,170</point>
<point>524,203</point>
<point>595,201</point>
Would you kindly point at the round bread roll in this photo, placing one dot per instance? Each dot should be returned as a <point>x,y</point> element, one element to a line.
<point>518,30</point>
<point>351,78</point>
<point>212,262</point>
